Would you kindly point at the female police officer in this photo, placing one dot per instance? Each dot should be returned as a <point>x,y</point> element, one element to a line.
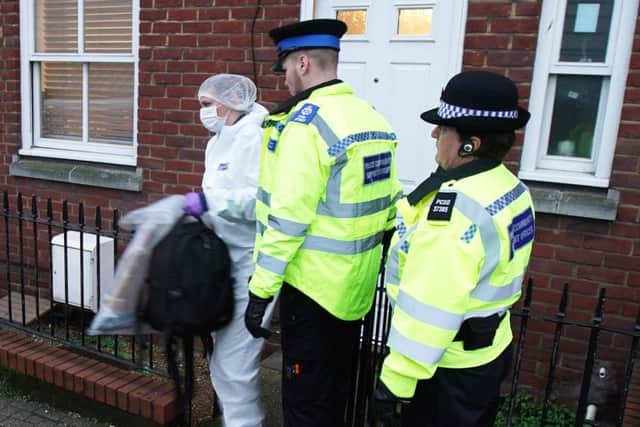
<point>456,264</point>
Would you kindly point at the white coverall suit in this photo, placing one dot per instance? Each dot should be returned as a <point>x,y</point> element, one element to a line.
<point>230,182</point>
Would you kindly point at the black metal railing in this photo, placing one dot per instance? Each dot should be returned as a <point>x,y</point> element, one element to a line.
<point>370,355</point>
<point>28,235</point>
<point>564,352</point>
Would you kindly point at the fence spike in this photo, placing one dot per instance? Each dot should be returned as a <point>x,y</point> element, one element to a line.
<point>34,207</point>
<point>564,300</point>
<point>5,202</point>
<point>81,214</point>
<point>36,263</point>
<point>65,214</point>
<point>49,211</point>
<point>591,356</point>
<point>628,370</point>
<point>526,308</point>
<point>528,294</point>
<point>562,307</point>
<point>20,205</point>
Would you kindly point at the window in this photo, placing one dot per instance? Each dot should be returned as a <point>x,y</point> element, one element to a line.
<point>356,20</point>
<point>79,67</point>
<point>580,72</point>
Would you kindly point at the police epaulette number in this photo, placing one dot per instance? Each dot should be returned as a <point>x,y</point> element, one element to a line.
<point>442,207</point>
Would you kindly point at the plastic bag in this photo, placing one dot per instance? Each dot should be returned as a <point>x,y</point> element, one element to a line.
<point>117,314</point>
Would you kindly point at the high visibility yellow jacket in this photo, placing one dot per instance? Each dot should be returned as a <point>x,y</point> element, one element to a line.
<point>459,252</point>
<point>327,189</point>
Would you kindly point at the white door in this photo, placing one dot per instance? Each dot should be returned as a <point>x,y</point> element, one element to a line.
<point>399,54</point>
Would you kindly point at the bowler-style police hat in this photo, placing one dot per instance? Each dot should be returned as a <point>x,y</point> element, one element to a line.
<point>312,34</point>
<point>479,101</point>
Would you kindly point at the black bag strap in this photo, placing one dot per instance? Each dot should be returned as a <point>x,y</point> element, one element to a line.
<point>187,343</point>
<point>183,397</point>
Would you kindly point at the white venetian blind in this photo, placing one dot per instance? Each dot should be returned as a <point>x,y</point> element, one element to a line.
<point>107,29</point>
<point>107,26</point>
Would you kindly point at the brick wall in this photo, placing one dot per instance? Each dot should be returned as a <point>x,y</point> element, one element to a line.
<point>589,254</point>
<point>182,42</point>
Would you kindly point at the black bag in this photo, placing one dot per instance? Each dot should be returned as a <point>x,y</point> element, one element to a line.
<point>190,294</point>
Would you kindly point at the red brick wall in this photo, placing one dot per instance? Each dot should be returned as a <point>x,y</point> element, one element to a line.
<point>588,254</point>
<point>9,86</point>
<point>501,36</point>
<point>182,42</point>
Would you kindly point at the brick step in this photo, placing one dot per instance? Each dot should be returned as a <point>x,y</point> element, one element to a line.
<point>139,395</point>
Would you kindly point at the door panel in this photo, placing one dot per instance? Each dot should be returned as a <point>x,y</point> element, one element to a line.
<point>400,60</point>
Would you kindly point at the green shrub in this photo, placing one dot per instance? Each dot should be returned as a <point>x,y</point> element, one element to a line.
<point>528,413</point>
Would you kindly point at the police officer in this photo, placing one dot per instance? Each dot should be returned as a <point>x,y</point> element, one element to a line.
<point>456,264</point>
<point>327,186</point>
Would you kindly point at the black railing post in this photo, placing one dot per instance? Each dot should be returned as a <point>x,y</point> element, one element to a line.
<point>65,228</point>
<point>81,230</point>
<point>50,245</point>
<point>36,258</point>
<point>591,356</point>
<point>116,346</point>
<point>562,308</point>
<point>526,312</point>
<point>21,256</point>
<point>98,231</point>
<point>628,371</point>
<point>5,211</point>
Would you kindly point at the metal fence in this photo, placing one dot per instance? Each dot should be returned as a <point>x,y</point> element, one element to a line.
<point>28,302</point>
<point>370,355</point>
<point>33,300</point>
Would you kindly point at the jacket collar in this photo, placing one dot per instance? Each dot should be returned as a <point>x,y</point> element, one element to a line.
<point>440,176</point>
<point>291,102</point>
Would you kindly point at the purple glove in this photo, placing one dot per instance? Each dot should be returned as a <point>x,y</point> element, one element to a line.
<point>194,204</point>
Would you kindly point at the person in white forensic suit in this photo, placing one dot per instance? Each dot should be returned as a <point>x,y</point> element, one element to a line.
<point>227,204</point>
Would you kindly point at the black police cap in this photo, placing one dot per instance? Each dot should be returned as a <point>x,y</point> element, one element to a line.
<point>311,34</point>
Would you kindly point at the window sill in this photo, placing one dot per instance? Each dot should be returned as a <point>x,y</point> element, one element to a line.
<point>582,202</point>
<point>106,176</point>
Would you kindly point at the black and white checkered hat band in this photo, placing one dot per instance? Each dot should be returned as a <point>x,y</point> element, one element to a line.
<point>448,111</point>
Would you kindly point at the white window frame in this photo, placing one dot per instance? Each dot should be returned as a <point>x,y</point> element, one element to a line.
<point>32,143</point>
<point>535,163</point>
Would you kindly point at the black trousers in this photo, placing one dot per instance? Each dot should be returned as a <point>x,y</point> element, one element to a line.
<point>459,397</point>
<point>317,353</point>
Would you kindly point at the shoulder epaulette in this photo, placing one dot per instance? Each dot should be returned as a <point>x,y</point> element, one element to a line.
<point>305,114</point>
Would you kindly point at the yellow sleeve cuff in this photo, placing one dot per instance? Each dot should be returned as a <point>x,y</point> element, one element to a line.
<point>265,284</point>
<point>400,385</point>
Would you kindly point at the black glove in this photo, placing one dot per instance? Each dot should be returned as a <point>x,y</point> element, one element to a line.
<point>387,406</point>
<point>254,314</point>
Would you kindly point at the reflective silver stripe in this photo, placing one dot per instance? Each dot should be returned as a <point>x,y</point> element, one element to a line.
<point>485,291</point>
<point>263,196</point>
<point>288,227</point>
<point>392,273</point>
<point>350,210</point>
<point>327,134</point>
<point>419,352</point>
<point>260,227</point>
<point>427,313</point>
<point>497,293</point>
<point>332,206</point>
<point>272,264</point>
<point>341,247</point>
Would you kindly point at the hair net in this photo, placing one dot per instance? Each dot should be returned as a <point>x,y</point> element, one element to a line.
<point>234,91</point>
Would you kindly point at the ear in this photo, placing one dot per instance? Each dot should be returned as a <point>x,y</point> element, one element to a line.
<point>302,64</point>
<point>477,142</point>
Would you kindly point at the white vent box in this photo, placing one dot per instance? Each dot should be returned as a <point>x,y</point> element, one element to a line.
<point>90,268</point>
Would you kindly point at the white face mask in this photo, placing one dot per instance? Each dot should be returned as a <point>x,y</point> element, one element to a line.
<point>211,120</point>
